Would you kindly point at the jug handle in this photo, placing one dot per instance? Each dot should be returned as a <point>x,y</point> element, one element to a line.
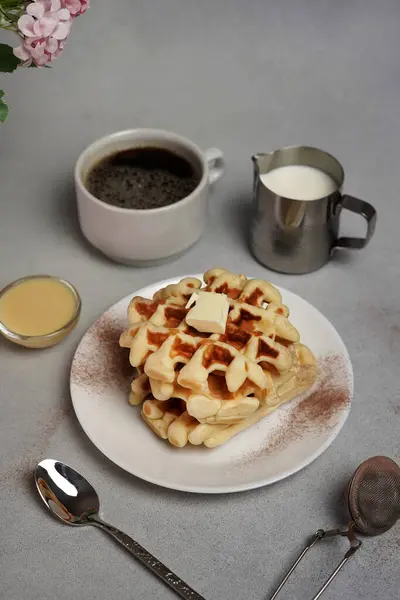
<point>364,209</point>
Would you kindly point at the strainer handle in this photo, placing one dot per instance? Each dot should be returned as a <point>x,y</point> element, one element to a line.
<point>317,537</point>
<point>344,560</point>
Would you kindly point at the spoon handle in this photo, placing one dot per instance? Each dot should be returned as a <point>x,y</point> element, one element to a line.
<point>176,583</point>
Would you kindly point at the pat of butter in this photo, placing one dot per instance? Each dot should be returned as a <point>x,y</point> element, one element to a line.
<point>210,313</point>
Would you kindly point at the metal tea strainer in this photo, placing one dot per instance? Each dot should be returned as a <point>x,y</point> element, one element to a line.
<point>373,498</point>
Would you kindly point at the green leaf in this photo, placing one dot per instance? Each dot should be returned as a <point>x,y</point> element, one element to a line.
<point>3,108</point>
<point>10,4</point>
<point>8,62</point>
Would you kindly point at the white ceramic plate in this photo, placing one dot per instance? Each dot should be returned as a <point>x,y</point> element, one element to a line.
<point>283,443</point>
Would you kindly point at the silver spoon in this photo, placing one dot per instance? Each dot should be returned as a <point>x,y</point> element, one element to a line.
<point>71,498</point>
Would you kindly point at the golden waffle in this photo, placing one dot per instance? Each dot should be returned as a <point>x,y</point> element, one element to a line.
<point>171,421</point>
<point>181,291</point>
<point>214,377</point>
<point>216,381</point>
<point>211,372</point>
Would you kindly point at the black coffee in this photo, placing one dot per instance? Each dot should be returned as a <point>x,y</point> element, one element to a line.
<point>142,178</point>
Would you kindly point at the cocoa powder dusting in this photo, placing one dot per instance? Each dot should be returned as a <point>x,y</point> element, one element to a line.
<point>317,412</point>
<point>100,363</point>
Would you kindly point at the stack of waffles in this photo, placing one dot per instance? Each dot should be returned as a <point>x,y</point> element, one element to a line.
<point>202,388</point>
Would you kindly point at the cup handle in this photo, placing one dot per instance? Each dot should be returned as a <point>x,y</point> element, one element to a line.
<point>216,164</point>
<point>364,209</point>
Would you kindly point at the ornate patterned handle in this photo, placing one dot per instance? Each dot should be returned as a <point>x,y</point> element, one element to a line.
<point>176,583</point>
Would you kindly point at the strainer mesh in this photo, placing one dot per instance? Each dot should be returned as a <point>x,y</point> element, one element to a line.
<point>374,495</point>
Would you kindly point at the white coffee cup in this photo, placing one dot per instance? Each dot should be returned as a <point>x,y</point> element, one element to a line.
<point>142,237</point>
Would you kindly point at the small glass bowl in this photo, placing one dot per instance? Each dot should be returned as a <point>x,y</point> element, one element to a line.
<point>48,339</point>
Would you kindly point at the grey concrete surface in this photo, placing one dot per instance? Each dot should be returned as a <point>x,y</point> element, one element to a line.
<point>246,76</point>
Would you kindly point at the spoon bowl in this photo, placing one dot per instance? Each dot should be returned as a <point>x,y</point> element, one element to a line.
<point>71,498</point>
<point>67,494</point>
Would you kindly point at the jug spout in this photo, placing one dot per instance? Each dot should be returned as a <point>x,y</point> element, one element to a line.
<point>256,158</point>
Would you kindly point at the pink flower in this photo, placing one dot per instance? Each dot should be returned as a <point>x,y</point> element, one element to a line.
<point>38,51</point>
<point>76,7</point>
<point>44,29</point>
<point>40,22</point>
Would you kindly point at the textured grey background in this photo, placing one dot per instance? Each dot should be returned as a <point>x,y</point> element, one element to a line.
<point>246,76</point>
